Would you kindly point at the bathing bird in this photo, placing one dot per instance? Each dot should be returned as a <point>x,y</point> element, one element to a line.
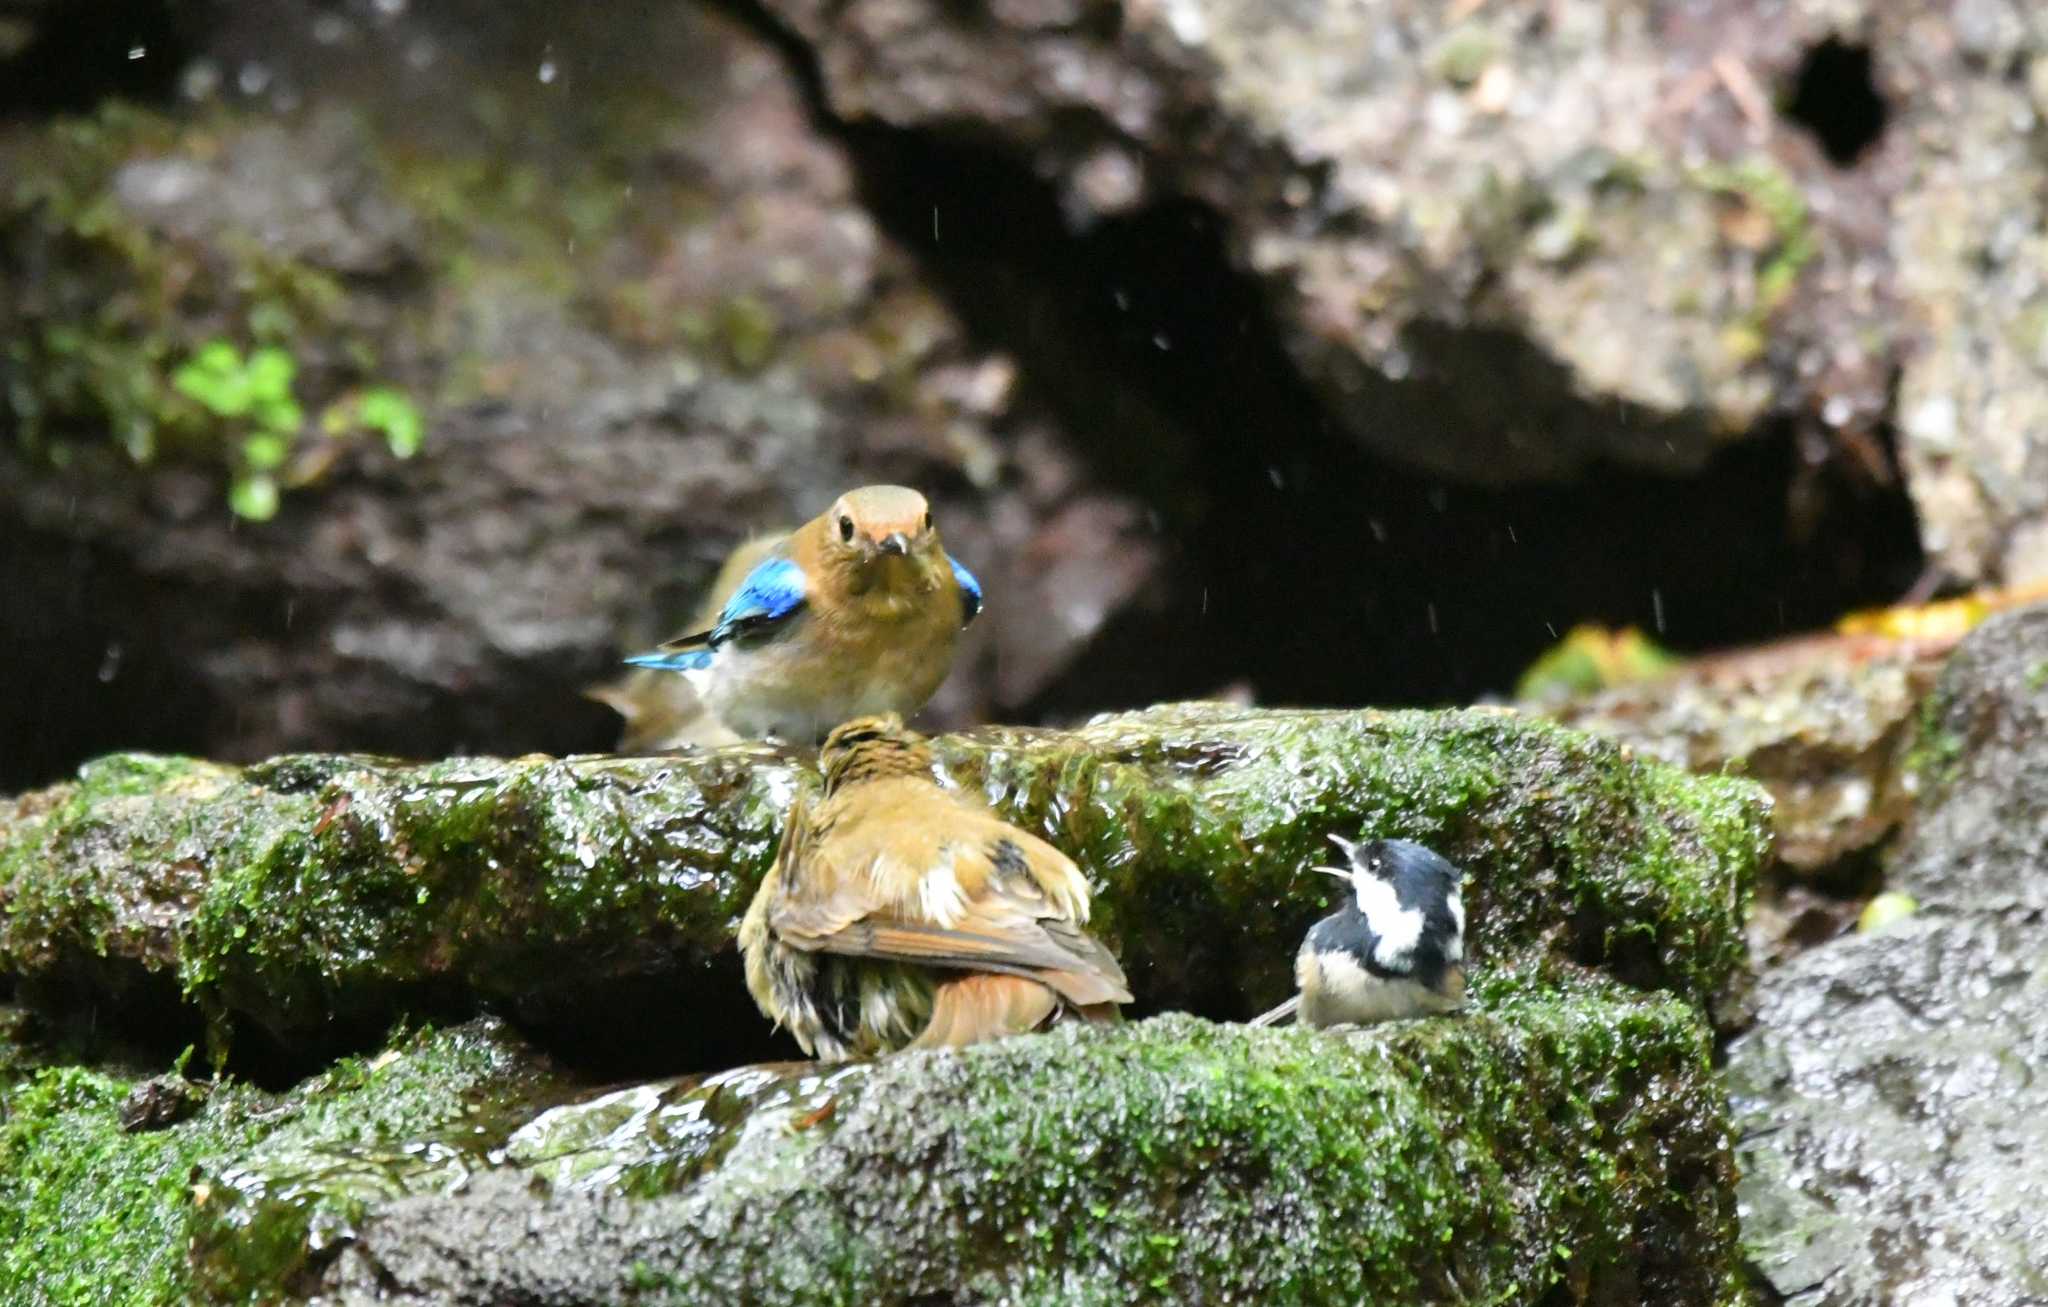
<point>857,611</point>
<point>899,914</point>
<point>1396,949</point>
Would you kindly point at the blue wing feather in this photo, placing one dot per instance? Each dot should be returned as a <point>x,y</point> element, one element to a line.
<point>771,595</point>
<point>674,660</point>
<point>970,590</point>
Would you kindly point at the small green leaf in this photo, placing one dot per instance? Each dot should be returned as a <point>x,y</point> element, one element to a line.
<point>388,412</point>
<point>270,373</point>
<point>218,357</point>
<point>264,451</point>
<point>215,379</point>
<point>254,497</point>
<point>281,415</point>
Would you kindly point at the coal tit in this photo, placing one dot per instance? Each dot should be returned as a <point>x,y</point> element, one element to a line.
<point>1396,949</point>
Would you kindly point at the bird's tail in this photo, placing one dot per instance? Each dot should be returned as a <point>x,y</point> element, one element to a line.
<point>1278,1014</point>
<point>984,1006</point>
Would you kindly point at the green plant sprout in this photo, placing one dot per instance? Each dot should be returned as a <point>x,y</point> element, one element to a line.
<point>383,410</point>
<point>256,394</point>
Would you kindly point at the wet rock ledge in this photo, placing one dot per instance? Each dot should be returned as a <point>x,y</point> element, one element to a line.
<point>1569,1134</point>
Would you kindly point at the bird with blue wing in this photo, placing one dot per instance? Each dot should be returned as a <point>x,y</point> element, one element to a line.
<point>858,611</point>
<point>663,711</point>
<point>899,914</point>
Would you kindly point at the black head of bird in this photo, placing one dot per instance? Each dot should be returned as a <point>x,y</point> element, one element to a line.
<point>901,914</point>
<point>1395,949</point>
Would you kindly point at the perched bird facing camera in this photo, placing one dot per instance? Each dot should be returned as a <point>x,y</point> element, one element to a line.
<point>1396,948</point>
<point>857,611</point>
<point>901,915</point>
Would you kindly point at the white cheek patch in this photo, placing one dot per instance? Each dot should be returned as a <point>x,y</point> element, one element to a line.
<point>1398,928</point>
<point>1454,948</point>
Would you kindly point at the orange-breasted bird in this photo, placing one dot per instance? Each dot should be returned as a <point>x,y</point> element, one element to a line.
<point>857,611</point>
<point>899,914</point>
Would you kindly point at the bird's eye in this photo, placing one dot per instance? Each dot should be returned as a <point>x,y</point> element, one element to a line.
<point>927,519</point>
<point>846,529</point>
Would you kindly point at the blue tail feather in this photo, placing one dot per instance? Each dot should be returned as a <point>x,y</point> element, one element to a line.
<point>674,660</point>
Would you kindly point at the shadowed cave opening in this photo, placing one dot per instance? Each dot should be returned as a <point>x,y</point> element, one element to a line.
<point>1835,96</point>
<point>1306,566</point>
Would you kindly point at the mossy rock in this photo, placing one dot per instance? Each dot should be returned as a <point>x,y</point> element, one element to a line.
<point>318,898</point>
<point>90,1213</point>
<point>1571,1144</point>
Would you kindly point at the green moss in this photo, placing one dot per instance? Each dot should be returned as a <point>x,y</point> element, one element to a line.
<point>1174,1158</point>
<point>1936,755</point>
<point>1760,183</point>
<point>92,1215</point>
<point>2037,676</point>
<point>1571,1139</point>
<point>745,329</point>
<point>1199,824</point>
<point>313,891</point>
<point>1464,53</point>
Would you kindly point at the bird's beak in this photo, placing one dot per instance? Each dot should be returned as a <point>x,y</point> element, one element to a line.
<point>1344,876</point>
<point>1350,849</point>
<point>894,543</point>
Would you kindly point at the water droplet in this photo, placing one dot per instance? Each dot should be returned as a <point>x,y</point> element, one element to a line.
<point>547,72</point>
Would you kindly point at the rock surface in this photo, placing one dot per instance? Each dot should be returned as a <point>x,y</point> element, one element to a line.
<point>1891,1108</point>
<point>315,899</point>
<point>1506,242</point>
<point>1567,1135</point>
<point>1829,725</point>
<point>1892,1096</point>
<point>631,293</point>
<point>1168,1156</point>
<point>1980,842</point>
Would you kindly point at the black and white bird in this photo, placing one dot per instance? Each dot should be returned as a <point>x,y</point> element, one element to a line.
<point>1396,949</point>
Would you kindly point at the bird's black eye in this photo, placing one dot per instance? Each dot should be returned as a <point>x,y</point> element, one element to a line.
<point>846,529</point>
<point>927,519</point>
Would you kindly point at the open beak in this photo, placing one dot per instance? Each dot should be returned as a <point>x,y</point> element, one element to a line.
<point>894,543</point>
<point>1344,876</point>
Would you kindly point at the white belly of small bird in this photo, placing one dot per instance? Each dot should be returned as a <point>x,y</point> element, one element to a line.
<point>1336,990</point>
<point>762,692</point>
